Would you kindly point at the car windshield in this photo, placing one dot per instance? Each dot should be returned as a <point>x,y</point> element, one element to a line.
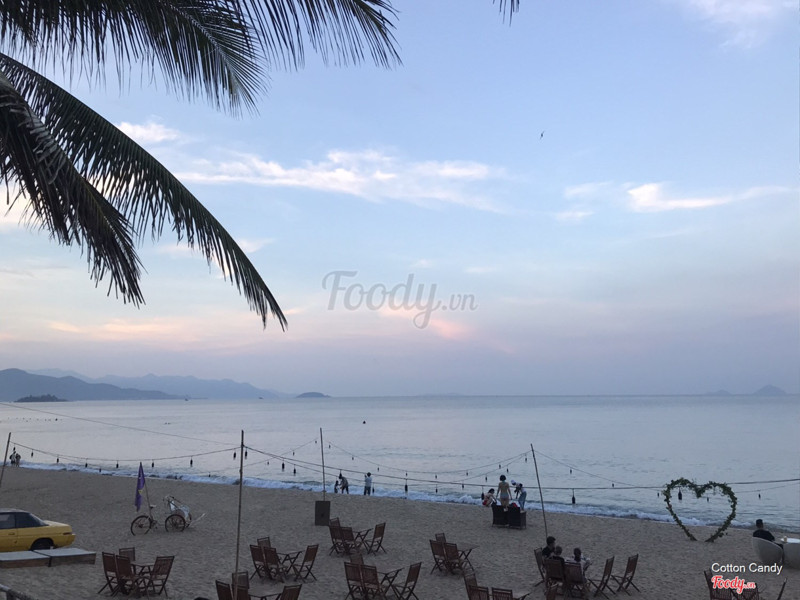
<point>28,520</point>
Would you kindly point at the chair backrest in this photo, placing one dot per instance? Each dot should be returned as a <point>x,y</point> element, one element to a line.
<point>554,569</point>
<point>109,563</point>
<point>476,592</point>
<point>769,553</point>
<point>257,554</point>
<point>357,558</point>
<point>440,537</point>
<point>347,535</point>
<point>608,569</point>
<point>502,594</point>
<point>240,578</point>
<point>750,594</point>
<point>718,593</point>
<point>451,551</point>
<point>470,580</point>
<point>378,532</point>
<point>129,552</point>
<point>162,567</point>
<point>223,590</point>
<point>370,579</point>
<point>124,568</point>
<point>311,554</point>
<point>264,542</point>
<point>352,572</point>
<point>573,574</point>
<point>630,567</point>
<point>290,592</point>
<point>271,557</point>
<point>334,522</point>
<point>413,575</point>
<point>437,548</point>
<point>539,560</point>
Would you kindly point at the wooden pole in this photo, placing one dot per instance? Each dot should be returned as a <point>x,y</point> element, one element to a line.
<point>239,520</point>
<point>539,483</point>
<point>322,451</point>
<point>5,458</point>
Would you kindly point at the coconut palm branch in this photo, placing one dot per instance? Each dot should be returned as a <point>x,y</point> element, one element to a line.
<point>78,158</point>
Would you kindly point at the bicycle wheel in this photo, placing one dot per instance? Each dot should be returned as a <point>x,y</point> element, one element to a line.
<point>140,525</point>
<point>175,523</point>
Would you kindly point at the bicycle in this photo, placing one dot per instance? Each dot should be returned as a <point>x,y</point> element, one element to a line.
<point>178,519</point>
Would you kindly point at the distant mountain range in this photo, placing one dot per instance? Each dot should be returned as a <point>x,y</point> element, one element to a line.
<point>16,383</point>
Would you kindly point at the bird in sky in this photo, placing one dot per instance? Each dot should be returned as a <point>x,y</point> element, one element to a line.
<point>541,135</point>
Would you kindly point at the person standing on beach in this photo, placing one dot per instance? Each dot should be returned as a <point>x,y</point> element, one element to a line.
<point>504,492</point>
<point>368,484</point>
<point>344,485</point>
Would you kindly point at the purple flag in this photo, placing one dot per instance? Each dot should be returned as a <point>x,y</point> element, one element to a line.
<point>139,488</point>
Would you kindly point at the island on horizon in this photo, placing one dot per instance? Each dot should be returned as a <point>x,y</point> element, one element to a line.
<point>312,395</point>
<point>42,398</point>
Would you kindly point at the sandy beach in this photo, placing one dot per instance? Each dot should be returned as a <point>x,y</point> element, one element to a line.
<point>100,509</point>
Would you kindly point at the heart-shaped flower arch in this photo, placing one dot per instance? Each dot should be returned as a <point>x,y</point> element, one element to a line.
<point>699,490</point>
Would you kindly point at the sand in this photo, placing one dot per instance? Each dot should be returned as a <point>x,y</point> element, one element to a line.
<point>100,509</point>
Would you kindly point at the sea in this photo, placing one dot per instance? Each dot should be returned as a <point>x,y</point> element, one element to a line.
<point>596,455</point>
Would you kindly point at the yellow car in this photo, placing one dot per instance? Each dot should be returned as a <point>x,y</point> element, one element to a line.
<point>20,530</point>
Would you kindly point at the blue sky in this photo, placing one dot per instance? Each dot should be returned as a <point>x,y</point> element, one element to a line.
<point>601,198</point>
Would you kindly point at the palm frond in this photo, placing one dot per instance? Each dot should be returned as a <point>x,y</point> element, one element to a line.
<point>146,194</point>
<point>61,200</point>
<point>199,47</point>
<point>507,7</point>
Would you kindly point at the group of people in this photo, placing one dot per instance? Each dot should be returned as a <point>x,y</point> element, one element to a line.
<point>504,490</point>
<point>343,486</point>
<point>550,550</point>
<point>14,458</point>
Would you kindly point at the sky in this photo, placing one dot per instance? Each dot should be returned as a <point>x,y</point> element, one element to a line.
<point>598,198</point>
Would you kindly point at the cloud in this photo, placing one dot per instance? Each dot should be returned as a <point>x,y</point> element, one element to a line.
<point>372,175</point>
<point>651,197</point>
<point>573,215</point>
<point>149,133</point>
<point>748,22</point>
<point>586,189</point>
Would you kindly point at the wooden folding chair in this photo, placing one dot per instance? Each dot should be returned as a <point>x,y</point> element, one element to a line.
<point>540,565</point>
<point>304,570</point>
<point>259,563</point>
<point>554,572</point>
<point>407,591</point>
<point>476,592</point>
<point>601,586</point>
<point>110,572</point>
<point>439,559</point>
<point>155,580</point>
<point>129,581</point>
<point>574,583</point>
<point>718,594</point>
<point>355,586</point>
<point>505,594</point>
<point>337,545</point>
<point>625,580</point>
<point>372,583</point>
<point>272,564</point>
<point>376,543</point>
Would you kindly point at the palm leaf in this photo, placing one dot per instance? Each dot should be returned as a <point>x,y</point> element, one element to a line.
<point>59,198</point>
<point>199,47</point>
<point>145,193</point>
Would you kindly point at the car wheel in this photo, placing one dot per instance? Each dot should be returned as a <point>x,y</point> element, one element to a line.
<point>42,545</point>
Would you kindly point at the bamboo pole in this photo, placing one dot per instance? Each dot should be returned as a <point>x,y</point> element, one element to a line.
<point>239,519</point>
<point>5,458</point>
<point>539,483</point>
<point>322,452</point>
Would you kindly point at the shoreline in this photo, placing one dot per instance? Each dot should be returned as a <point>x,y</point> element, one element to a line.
<point>444,498</point>
<point>100,508</point>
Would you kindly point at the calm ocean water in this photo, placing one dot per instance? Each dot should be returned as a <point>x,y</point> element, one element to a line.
<point>613,454</point>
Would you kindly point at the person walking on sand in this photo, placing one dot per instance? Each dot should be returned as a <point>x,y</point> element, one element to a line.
<point>344,486</point>
<point>368,484</point>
